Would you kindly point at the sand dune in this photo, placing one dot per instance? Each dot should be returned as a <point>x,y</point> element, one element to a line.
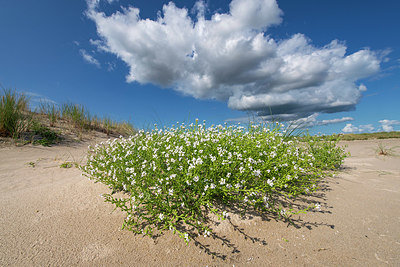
<point>54,216</point>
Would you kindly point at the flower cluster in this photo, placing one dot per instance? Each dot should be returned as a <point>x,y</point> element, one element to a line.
<point>175,176</point>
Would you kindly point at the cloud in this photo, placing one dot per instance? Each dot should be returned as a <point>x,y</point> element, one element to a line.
<point>350,128</point>
<point>362,88</point>
<point>306,122</point>
<point>230,57</point>
<point>36,99</point>
<point>311,121</point>
<point>89,58</point>
<point>387,125</point>
<point>344,119</point>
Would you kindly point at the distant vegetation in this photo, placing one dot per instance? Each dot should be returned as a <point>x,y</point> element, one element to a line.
<point>49,121</point>
<point>366,136</point>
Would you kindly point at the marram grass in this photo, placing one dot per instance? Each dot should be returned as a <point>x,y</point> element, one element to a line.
<point>173,178</point>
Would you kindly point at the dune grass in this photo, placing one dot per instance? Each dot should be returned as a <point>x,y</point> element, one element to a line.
<point>19,122</point>
<point>51,110</point>
<point>77,115</point>
<point>13,114</point>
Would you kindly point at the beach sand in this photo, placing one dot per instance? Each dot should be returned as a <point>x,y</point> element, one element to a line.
<point>52,216</point>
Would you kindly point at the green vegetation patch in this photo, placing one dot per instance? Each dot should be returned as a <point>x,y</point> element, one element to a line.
<point>366,136</point>
<point>173,178</point>
<point>67,165</point>
<point>47,137</point>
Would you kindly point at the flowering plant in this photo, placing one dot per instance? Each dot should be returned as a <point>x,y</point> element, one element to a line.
<point>174,177</point>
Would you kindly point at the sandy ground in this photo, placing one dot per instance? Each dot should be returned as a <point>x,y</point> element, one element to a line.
<point>52,216</point>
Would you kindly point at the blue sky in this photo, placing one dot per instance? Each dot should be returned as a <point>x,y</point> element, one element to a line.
<point>330,65</point>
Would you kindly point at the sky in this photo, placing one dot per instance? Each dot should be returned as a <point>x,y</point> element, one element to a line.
<point>331,66</point>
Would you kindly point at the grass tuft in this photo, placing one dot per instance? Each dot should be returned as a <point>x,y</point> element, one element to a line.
<point>51,110</point>
<point>13,117</point>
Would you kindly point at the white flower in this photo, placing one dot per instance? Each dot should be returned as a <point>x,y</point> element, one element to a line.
<point>270,182</point>
<point>257,173</point>
<point>186,237</point>
<point>171,191</point>
<point>207,233</point>
<point>228,174</point>
<point>222,182</point>
<point>196,179</point>
<point>212,186</point>
<point>172,176</point>
<point>161,216</point>
<point>225,214</point>
<point>318,207</point>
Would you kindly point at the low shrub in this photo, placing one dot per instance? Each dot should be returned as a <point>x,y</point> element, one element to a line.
<point>173,178</point>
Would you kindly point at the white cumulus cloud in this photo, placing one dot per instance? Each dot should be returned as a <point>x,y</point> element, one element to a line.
<point>387,125</point>
<point>230,57</point>
<point>350,128</point>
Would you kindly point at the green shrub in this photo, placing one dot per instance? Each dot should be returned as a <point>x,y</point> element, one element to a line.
<point>328,156</point>
<point>173,178</point>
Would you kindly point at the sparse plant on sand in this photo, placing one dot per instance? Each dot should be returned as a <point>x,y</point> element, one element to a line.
<point>385,151</point>
<point>31,164</point>
<point>67,165</point>
<point>172,178</point>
